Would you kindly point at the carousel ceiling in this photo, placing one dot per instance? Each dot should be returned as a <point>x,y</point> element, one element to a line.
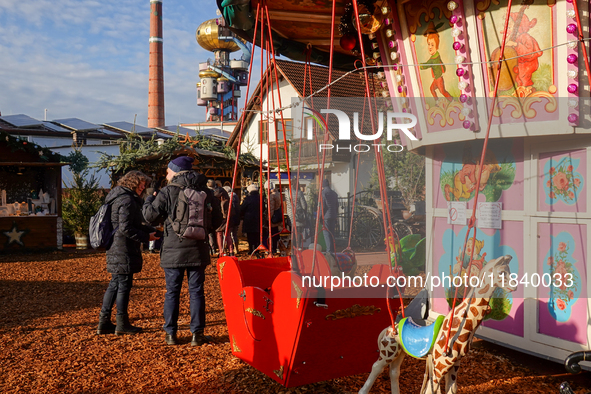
<point>298,24</point>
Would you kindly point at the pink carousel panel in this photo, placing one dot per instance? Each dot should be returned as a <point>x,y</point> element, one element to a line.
<point>507,308</point>
<point>444,86</point>
<point>562,299</point>
<point>528,87</point>
<point>561,181</point>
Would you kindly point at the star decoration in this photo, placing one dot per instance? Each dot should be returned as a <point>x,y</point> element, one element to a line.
<point>14,235</point>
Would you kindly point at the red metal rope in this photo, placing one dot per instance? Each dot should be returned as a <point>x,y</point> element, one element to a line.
<point>241,130</point>
<point>261,190</point>
<point>326,138</point>
<point>285,146</point>
<point>377,154</point>
<point>479,172</point>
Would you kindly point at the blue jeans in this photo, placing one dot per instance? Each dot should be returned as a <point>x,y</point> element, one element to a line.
<point>174,283</point>
<point>329,234</point>
<point>117,291</point>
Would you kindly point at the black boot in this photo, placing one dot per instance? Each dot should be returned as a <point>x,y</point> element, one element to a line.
<point>124,327</point>
<point>200,339</point>
<point>105,326</point>
<point>171,339</point>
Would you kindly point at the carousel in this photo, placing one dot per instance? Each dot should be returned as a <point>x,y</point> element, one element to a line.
<point>499,92</point>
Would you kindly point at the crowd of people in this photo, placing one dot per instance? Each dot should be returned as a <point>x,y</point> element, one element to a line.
<point>188,240</point>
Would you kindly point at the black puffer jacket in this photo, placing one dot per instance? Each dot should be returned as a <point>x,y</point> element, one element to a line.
<point>250,211</point>
<point>124,256</point>
<point>330,203</point>
<point>176,252</point>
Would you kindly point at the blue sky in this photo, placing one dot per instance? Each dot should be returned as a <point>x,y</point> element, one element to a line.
<point>88,59</point>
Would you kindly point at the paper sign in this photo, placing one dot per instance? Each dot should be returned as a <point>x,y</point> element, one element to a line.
<point>456,212</point>
<point>489,215</point>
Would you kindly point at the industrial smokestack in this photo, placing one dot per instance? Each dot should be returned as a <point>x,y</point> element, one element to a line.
<point>156,89</point>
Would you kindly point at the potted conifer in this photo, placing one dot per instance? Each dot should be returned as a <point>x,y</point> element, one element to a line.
<point>80,202</point>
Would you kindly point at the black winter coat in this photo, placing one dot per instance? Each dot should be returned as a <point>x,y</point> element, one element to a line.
<point>330,203</point>
<point>124,256</point>
<point>250,211</point>
<point>177,252</point>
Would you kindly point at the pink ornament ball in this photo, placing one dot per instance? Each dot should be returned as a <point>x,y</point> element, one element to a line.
<point>572,88</point>
<point>463,98</point>
<point>457,45</point>
<point>571,28</point>
<point>573,118</point>
<point>453,19</point>
<point>467,124</point>
<point>400,89</point>
<point>569,1</point>
<point>572,58</point>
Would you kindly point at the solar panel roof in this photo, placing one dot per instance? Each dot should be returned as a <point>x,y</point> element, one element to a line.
<point>112,132</point>
<point>76,124</point>
<point>21,120</point>
<point>129,127</point>
<point>53,127</point>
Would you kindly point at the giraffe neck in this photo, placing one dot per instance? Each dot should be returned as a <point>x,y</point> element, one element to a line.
<point>475,310</point>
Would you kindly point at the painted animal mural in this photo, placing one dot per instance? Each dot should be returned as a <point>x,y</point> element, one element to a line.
<point>466,318</point>
<point>478,261</point>
<point>466,179</point>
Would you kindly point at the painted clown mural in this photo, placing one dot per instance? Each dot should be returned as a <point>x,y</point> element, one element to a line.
<point>432,42</point>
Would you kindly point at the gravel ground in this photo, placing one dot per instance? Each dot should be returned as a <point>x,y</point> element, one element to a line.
<point>50,306</point>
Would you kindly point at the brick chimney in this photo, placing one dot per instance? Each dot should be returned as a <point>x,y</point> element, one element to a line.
<point>156,86</point>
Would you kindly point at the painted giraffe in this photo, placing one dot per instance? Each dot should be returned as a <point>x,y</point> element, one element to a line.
<point>475,307</point>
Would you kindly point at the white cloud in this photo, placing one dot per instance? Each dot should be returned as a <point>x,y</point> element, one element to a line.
<point>89,59</point>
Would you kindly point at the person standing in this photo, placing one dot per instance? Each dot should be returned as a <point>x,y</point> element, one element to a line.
<point>220,232</point>
<point>330,207</point>
<point>180,256</point>
<point>300,215</point>
<point>250,212</point>
<point>124,255</point>
<point>276,212</point>
<point>235,217</point>
<point>211,236</point>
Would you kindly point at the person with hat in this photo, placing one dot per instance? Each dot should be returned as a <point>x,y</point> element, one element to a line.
<point>435,63</point>
<point>180,256</point>
<point>250,214</point>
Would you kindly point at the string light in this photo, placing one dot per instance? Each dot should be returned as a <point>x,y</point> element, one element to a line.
<point>463,97</point>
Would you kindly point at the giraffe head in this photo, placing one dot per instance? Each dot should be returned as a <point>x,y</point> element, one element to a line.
<point>496,273</point>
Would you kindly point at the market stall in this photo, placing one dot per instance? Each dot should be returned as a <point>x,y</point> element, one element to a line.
<point>31,188</point>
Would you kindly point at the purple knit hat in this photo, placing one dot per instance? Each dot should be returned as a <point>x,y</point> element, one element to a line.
<point>181,163</point>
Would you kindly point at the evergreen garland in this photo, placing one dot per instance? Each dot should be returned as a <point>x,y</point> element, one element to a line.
<point>44,154</point>
<point>134,148</point>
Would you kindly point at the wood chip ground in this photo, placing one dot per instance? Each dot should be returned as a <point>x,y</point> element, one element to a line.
<point>49,311</point>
